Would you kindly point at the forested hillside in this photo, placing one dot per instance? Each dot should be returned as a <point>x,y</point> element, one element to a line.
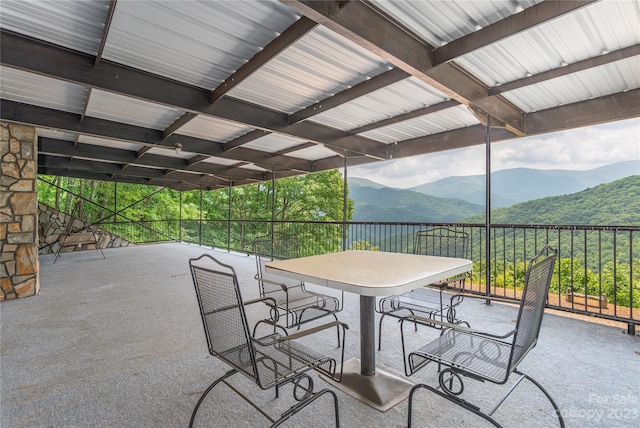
<point>397,205</point>
<point>616,203</point>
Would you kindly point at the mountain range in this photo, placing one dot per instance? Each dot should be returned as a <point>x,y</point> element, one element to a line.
<point>376,202</point>
<point>510,186</point>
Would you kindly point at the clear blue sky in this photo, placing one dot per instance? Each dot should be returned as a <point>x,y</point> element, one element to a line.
<point>575,149</point>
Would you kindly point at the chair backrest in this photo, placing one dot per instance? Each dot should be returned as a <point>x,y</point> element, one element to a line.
<point>278,246</point>
<point>441,241</point>
<point>534,298</point>
<point>223,315</point>
<point>75,217</point>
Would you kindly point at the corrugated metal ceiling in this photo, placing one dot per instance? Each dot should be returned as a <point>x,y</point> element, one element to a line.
<point>150,88</point>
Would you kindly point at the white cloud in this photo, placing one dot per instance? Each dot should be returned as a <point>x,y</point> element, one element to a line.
<point>576,149</point>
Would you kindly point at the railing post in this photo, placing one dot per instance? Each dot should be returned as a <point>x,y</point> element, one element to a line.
<point>180,221</point>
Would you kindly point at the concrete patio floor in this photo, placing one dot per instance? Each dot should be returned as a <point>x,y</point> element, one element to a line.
<point>118,342</point>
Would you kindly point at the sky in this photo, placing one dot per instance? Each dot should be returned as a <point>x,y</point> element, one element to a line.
<point>576,149</point>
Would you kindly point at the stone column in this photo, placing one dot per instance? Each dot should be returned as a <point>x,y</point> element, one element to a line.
<point>19,266</point>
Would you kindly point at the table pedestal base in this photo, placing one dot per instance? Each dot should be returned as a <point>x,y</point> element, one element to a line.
<point>381,391</point>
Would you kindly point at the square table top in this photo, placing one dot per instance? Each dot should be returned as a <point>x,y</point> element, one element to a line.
<point>370,273</point>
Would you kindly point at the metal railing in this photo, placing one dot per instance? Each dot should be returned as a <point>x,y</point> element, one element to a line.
<point>597,273</point>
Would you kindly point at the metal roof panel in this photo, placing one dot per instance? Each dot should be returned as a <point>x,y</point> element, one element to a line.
<point>272,143</point>
<point>30,88</point>
<point>401,97</point>
<point>177,39</point>
<point>74,24</point>
<point>118,108</point>
<point>440,22</point>
<point>608,79</point>
<point>213,129</point>
<point>318,66</point>
<point>587,33</point>
<point>313,153</point>
<point>443,120</point>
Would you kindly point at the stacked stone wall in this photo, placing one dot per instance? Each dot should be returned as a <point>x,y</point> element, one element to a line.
<point>52,223</point>
<point>19,266</point>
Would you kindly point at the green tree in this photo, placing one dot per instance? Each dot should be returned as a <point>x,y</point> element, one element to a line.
<point>363,245</point>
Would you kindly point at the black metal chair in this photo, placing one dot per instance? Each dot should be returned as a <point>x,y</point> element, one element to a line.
<point>270,361</point>
<point>292,304</point>
<point>484,356</point>
<point>429,301</point>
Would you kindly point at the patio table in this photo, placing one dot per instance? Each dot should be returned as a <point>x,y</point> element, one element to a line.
<point>370,274</point>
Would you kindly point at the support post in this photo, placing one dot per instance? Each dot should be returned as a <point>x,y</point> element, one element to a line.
<point>200,226</point>
<point>344,203</point>
<point>488,208</point>
<point>229,216</point>
<point>273,202</point>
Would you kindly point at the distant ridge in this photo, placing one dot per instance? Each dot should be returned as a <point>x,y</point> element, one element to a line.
<point>511,186</point>
<point>460,198</point>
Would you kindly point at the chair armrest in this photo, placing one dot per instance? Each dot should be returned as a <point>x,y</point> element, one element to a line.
<point>313,330</point>
<point>456,327</point>
<point>491,299</point>
<point>261,299</point>
<point>270,281</point>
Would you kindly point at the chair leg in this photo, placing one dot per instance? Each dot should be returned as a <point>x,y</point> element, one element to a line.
<point>304,403</point>
<point>380,331</point>
<point>337,329</point>
<point>544,391</point>
<point>456,400</point>
<point>204,394</point>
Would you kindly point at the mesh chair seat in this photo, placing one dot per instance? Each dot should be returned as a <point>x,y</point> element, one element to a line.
<point>421,300</point>
<point>484,357</point>
<point>287,358</point>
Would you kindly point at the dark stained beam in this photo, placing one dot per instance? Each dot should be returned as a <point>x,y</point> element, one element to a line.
<point>449,140</point>
<point>142,151</point>
<point>363,88</point>
<point>292,149</point>
<point>105,31</point>
<point>568,69</point>
<point>182,186</point>
<point>197,159</point>
<point>507,27</point>
<point>244,139</point>
<point>367,27</point>
<point>127,157</point>
<point>406,116</point>
<point>624,105</point>
<point>179,123</point>
<point>132,171</point>
<point>39,116</point>
<point>288,37</point>
<point>26,54</point>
